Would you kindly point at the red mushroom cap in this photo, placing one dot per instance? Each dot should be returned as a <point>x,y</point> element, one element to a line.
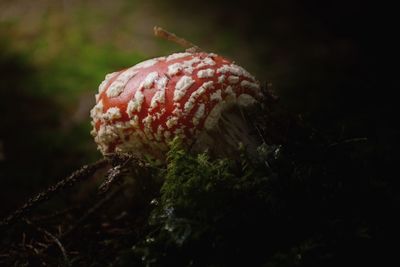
<point>142,108</point>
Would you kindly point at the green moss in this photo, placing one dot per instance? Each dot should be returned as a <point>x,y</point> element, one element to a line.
<point>296,205</point>
<point>203,201</point>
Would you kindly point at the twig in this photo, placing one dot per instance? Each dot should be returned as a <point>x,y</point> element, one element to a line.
<point>79,175</point>
<point>73,228</point>
<point>91,211</point>
<point>351,140</point>
<point>113,175</point>
<point>160,32</point>
<point>55,240</point>
<point>53,215</point>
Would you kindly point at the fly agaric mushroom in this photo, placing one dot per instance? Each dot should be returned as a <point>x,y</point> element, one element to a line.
<point>141,109</point>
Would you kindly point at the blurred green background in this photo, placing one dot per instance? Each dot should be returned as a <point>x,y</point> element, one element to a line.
<point>331,64</point>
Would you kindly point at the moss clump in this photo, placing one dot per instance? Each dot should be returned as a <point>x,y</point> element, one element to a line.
<point>307,205</point>
<point>202,203</point>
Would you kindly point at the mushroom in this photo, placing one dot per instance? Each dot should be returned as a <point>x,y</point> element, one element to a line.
<point>195,96</point>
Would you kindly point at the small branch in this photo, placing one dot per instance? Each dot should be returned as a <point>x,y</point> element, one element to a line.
<point>62,236</point>
<point>114,174</point>
<point>92,211</point>
<point>55,240</point>
<point>351,140</point>
<point>79,175</point>
<point>53,215</point>
<point>161,33</point>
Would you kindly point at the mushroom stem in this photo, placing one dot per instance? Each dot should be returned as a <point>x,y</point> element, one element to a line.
<point>161,33</point>
<point>232,133</point>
